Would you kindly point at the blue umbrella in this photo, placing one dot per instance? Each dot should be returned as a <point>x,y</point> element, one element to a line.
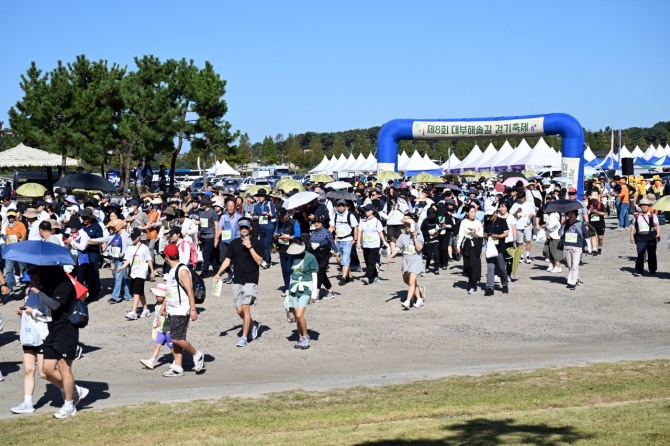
<point>38,252</point>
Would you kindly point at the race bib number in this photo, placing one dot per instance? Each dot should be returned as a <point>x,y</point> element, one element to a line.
<point>13,239</point>
<point>137,262</point>
<point>409,250</point>
<point>644,227</point>
<point>342,232</point>
<point>370,237</point>
<point>595,217</point>
<point>115,251</point>
<point>204,222</point>
<point>263,220</point>
<point>571,237</point>
<point>226,235</point>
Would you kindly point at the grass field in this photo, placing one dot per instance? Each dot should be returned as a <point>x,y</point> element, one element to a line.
<point>603,404</point>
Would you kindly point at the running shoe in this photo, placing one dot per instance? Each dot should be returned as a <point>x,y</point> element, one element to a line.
<point>131,315</point>
<point>303,343</point>
<point>254,329</point>
<point>365,280</point>
<point>405,304</point>
<point>472,291</point>
<point>242,342</point>
<point>172,372</point>
<point>419,303</point>
<point>79,394</point>
<point>330,295</point>
<point>145,313</point>
<point>23,408</point>
<point>65,412</point>
<point>148,363</point>
<point>229,280</point>
<point>557,269</point>
<point>198,363</point>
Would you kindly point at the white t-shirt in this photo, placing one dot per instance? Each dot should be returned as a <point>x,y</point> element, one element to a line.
<point>369,233</point>
<point>344,226</point>
<point>177,303</point>
<point>523,219</point>
<point>139,257</point>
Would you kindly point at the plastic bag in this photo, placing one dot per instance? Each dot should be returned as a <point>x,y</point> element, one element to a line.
<point>30,334</point>
<point>541,236</point>
<point>491,250</point>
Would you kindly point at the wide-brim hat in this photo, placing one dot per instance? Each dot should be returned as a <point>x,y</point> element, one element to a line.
<point>30,213</point>
<point>409,220</point>
<point>261,193</point>
<point>206,199</point>
<point>160,290</point>
<point>244,223</point>
<point>295,248</point>
<point>88,213</point>
<point>157,200</point>
<point>645,201</point>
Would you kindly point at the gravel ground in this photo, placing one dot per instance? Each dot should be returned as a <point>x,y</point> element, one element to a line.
<point>362,337</point>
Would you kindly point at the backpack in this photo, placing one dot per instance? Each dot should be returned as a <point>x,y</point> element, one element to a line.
<point>198,285</point>
<point>193,255</point>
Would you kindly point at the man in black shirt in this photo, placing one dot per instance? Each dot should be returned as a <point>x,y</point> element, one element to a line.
<point>495,231</point>
<point>246,255</point>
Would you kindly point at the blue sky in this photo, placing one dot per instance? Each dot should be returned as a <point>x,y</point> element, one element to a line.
<point>298,66</point>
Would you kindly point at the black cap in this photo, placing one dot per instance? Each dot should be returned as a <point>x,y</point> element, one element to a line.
<point>135,233</point>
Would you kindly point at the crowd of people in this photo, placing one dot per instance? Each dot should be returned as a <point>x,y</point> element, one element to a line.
<point>166,237</point>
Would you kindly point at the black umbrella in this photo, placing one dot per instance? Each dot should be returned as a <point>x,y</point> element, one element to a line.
<point>511,173</point>
<point>341,195</point>
<point>86,181</point>
<point>563,206</point>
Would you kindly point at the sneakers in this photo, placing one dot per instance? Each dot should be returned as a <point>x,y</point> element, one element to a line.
<point>173,372</point>
<point>303,343</point>
<point>78,352</point>
<point>557,269</point>
<point>550,268</point>
<point>496,279</point>
<point>365,280</point>
<point>405,304</point>
<point>254,329</point>
<point>65,412</point>
<point>229,280</point>
<point>284,294</point>
<point>488,292</point>
<point>505,290</point>
<point>148,363</point>
<point>131,315</point>
<point>527,260</point>
<point>23,408</point>
<point>419,303</point>
<point>242,342</point>
<point>79,394</point>
<point>145,313</point>
<point>330,295</point>
<point>472,291</point>
<point>112,300</point>
<point>199,363</point>
<point>264,265</point>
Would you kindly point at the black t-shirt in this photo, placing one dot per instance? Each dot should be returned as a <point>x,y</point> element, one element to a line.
<point>244,266</point>
<point>499,226</point>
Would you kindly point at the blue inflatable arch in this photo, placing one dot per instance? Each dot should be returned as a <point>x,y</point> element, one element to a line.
<point>568,127</point>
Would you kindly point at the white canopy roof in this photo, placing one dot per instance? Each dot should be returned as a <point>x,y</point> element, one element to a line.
<point>650,152</point>
<point>370,164</point>
<point>504,152</point>
<point>212,170</point>
<point>588,154</point>
<point>637,151</point>
<point>451,162</point>
<point>321,166</point>
<point>489,153</point>
<point>475,153</point>
<point>540,157</point>
<point>224,169</point>
<point>402,160</point>
<point>417,162</point>
<point>349,165</point>
<point>24,156</point>
<point>359,165</point>
<point>625,153</point>
<point>518,153</point>
<point>337,165</point>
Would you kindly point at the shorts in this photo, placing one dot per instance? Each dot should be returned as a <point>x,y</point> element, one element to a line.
<point>393,232</point>
<point>244,294</point>
<point>136,286</point>
<point>61,344</point>
<point>298,301</point>
<point>39,350</point>
<point>344,248</point>
<point>164,339</point>
<point>524,235</point>
<point>600,229</point>
<point>453,240</point>
<point>178,327</point>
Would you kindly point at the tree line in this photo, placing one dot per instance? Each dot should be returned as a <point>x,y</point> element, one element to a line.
<point>110,116</point>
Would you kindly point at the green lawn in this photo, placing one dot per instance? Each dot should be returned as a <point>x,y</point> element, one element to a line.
<point>603,404</point>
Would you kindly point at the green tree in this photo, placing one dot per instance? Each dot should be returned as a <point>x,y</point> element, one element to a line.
<point>315,154</point>
<point>339,146</point>
<point>361,145</point>
<point>294,154</point>
<point>269,153</point>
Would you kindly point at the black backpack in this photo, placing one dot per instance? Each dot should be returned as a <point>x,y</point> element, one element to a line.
<point>198,285</point>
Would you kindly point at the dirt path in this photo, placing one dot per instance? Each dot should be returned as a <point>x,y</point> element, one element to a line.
<point>363,337</point>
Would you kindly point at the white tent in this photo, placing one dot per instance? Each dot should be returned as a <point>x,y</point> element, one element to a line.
<point>402,160</point>
<point>225,170</point>
<point>417,164</point>
<point>625,153</point>
<point>650,152</point>
<point>588,154</point>
<point>637,152</point>
<point>359,165</point>
<point>370,164</point>
<point>518,153</point>
<point>665,150</point>
<point>475,153</point>
<point>489,153</point>
<point>212,170</point>
<point>504,152</point>
<point>321,166</point>
<point>451,162</point>
<point>24,156</point>
<point>540,157</point>
<point>349,165</point>
<point>337,165</point>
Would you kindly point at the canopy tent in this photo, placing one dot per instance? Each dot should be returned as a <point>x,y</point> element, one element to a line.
<point>665,161</point>
<point>370,164</point>
<point>594,162</point>
<point>402,160</point>
<point>519,152</point>
<point>418,164</point>
<point>475,153</point>
<point>650,152</point>
<point>588,154</point>
<point>489,153</point>
<point>609,162</point>
<point>451,162</point>
<point>337,165</point>
<point>321,166</point>
<point>637,152</point>
<point>225,170</point>
<point>504,152</point>
<point>360,163</point>
<point>24,156</point>
<point>349,165</point>
<point>212,170</point>
<point>665,150</point>
<point>625,153</point>
<point>540,157</point>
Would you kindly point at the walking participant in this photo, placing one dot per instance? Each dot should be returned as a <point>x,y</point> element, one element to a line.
<point>229,232</point>
<point>410,243</point>
<point>302,289</point>
<point>371,232</point>
<point>645,234</point>
<point>470,235</point>
<point>209,235</point>
<point>551,247</point>
<point>322,244</point>
<point>496,231</point>
<point>160,330</point>
<point>430,229</point>
<point>287,230</point>
<point>179,304</point>
<point>524,212</point>
<point>346,233</point>
<point>138,258</point>
<point>624,205</point>
<point>513,257</point>
<point>244,253</point>
<point>265,213</point>
<point>597,220</point>
<point>118,248</point>
<point>574,233</point>
<point>56,291</point>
